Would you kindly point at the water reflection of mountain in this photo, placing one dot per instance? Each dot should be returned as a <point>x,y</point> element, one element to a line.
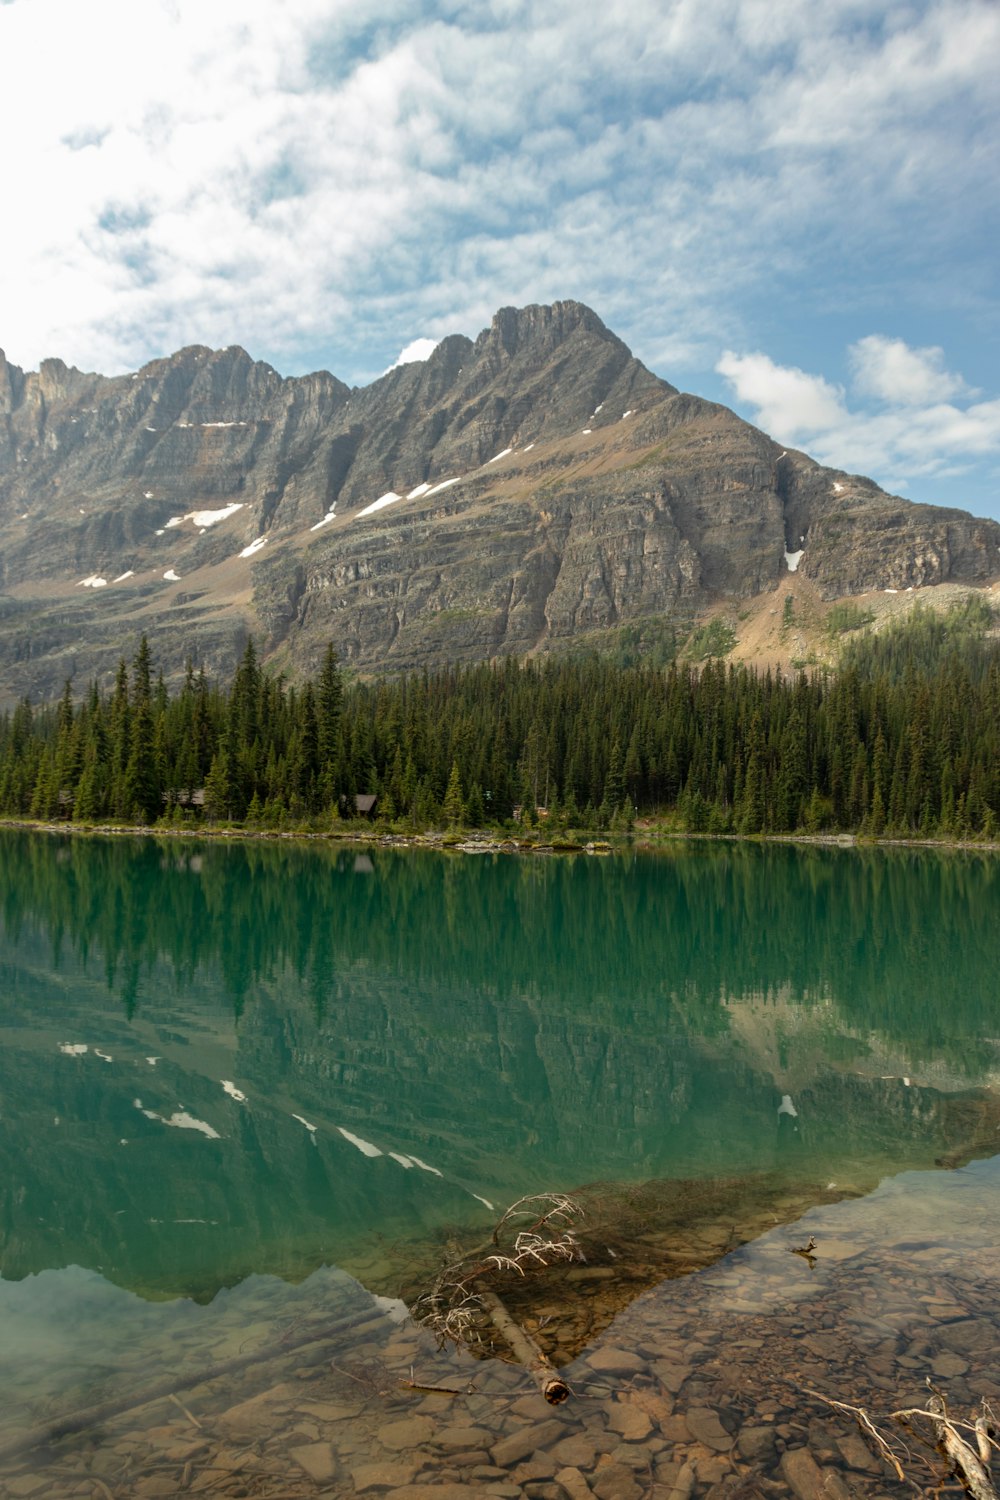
<point>904,940</point>
<point>486,1026</point>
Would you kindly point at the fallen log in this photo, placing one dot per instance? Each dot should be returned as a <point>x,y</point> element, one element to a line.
<point>524,1349</point>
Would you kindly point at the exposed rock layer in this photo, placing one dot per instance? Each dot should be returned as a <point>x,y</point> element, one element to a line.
<point>562,491</point>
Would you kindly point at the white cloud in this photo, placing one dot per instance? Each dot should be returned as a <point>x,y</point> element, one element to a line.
<point>911,434</point>
<point>414,353</point>
<point>789,403</point>
<point>314,181</point>
<point>890,370</point>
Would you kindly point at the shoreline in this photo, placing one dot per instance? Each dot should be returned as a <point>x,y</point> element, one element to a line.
<point>644,841</point>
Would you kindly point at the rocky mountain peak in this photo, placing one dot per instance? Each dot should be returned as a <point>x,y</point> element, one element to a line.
<point>542,327</point>
<point>514,493</point>
<point>11,385</point>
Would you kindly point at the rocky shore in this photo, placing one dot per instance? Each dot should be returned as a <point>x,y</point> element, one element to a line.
<point>700,1390</point>
<point>644,840</point>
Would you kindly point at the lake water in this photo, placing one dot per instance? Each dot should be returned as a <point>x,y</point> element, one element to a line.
<point>246,1086</point>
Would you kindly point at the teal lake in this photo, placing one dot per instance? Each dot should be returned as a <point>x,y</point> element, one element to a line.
<point>239,1075</point>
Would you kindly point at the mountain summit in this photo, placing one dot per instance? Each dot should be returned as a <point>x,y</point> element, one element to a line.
<point>516,493</point>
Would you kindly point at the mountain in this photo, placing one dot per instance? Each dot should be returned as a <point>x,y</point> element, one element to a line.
<point>529,490</point>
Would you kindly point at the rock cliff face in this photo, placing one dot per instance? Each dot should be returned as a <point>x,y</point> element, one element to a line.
<point>506,495</point>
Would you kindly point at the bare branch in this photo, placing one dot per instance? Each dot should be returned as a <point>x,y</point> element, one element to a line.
<point>868,1427</point>
<point>968,1463</point>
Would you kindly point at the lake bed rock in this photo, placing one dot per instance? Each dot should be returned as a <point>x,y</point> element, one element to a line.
<point>330,1411</point>
<point>260,1415</point>
<point>808,1481</point>
<point>629,1421</point>
<point>948,1365</point>
<point>370,1477</point>
<point>611,1361</point>
<point>318,1461</point>
<point>615,1482</point>
<point>756,1444</point>
<point>675,1429</point>
<point>521,1444</point>
<point>449,1490</point>
<point>671,1376</point>
<point>857,1455</point>
<point>410,1433</point>
<point>704,1425</point>
<point>542,1466</point>
<point>575,1485</point>
<point>576,1452</point>
<point>455,1439</point>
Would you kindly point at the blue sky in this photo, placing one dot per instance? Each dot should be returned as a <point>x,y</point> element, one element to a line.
<point>787,206</point>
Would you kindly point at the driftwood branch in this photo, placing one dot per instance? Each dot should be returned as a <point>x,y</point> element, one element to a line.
<point>868,1429</point>
<point>465,1300</point>
<point>967,1460</point>
<point>558,1209</point>
<point>961,1457</point>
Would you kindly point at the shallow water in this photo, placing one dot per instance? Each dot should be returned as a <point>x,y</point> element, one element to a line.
<point>704,1382</point>
<point>354,1057</point>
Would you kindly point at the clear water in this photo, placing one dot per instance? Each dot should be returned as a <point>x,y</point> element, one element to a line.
<point>242,1083</point>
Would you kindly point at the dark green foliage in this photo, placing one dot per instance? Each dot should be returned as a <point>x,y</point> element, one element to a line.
<point>847,616</point>
<point>454,805</point>
<point>925,639</point>
<point>904,739</point>
<point>715,638</point>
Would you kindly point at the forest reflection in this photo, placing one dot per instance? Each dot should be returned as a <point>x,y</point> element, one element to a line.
<point>376,1044</point>
<point>905,942</point>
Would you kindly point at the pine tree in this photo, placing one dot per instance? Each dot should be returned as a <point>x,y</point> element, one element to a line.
<point>753,807</point>
<point>119,733</point>
<point>614,781</point>
<point>329,727</point>
<point>305,757</point>
<point>141,789</point>
<point>221,794</point>
<point>454,806</point>
<point>89,802</point>
<point>475,814</point>
<point>792,773</point>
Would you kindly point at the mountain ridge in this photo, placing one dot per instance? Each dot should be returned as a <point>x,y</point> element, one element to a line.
<point>509,494</point>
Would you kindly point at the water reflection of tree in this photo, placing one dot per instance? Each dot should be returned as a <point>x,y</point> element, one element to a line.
<point>904,941</point>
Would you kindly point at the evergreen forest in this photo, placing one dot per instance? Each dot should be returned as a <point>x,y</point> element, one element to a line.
<point>903,738</point>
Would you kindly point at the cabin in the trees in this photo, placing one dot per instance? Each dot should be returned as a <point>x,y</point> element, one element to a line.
<point>365,805</point>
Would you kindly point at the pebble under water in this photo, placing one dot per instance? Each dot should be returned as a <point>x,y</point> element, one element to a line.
<point>702,1386</point>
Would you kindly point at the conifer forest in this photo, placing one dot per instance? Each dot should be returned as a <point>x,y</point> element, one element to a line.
<point>901,738</point>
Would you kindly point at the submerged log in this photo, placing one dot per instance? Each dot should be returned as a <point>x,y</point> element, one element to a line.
<point>92,1416</point>
<point>524,1349</point>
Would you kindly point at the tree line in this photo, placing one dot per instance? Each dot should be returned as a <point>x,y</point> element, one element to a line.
<point>903,738</point>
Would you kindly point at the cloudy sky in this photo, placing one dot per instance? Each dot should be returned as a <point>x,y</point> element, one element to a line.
<point>787,205</point>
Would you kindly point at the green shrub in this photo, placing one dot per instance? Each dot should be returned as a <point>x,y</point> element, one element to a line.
<point>715,638</point>
<point>847,616</point>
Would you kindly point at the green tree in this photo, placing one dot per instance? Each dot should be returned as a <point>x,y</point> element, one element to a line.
<point>454,805</point>
<point>753,808</point>
<point>329,727</point>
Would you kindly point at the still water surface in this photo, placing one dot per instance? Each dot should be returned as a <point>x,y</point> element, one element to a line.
<point>226,1064</point>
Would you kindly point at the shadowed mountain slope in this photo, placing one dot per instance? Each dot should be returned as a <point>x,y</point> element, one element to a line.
<point>529,490</point>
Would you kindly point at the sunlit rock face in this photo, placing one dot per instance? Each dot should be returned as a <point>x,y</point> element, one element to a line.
<point>515,493</point>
